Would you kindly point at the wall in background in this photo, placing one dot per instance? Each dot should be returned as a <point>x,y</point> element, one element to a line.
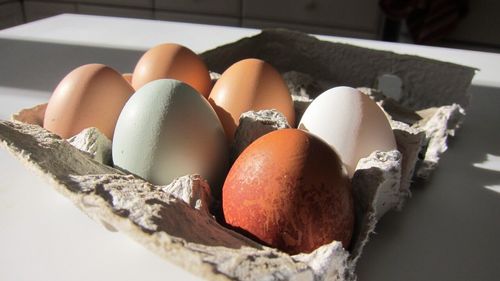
<point>11,13</point>
<point>480,28</point>
<point>354,18</point>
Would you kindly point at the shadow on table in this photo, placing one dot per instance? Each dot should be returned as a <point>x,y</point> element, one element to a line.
<point>42,65</point>
<point>449,229</point>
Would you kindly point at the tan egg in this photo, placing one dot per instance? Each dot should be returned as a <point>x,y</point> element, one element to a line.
<point>172,61</point>
<point>249,84</point>
<point>91,95</point>
<point>128,77</point>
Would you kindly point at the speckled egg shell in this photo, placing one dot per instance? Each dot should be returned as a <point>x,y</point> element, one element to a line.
<point>289,190</point>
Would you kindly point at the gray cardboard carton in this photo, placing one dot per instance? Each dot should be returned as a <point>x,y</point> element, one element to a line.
<point>174,220</point>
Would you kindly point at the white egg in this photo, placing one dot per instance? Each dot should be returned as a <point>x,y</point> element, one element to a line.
<point>167,130</point>
<point>351,123</point>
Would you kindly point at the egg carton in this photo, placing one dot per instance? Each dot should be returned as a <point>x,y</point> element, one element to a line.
<point>174,220</point>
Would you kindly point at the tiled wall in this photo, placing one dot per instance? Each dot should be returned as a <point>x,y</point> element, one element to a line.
<point>11,13</point>
<point>356,18</point>
<point>353,18</point>
<point>37,9</point>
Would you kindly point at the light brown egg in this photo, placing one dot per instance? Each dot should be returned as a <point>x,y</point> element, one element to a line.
<point>249,84</point>
<point>289,190</point>
<point>175,62</point>
<point>91,95</point>
<point>128,77</point>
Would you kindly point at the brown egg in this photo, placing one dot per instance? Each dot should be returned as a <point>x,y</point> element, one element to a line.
<point>175,62</point>
<point>128,77</point>
<point>249,84</point>
<point>91,95</point>
<point>289,190</point>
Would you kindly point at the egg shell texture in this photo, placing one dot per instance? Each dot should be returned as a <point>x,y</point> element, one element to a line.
<point>249,84</point>
<point>91,95</point>
<point>350,122</point>
<point>167,130</point>
<point>175,62</point>
<point>288,190</point>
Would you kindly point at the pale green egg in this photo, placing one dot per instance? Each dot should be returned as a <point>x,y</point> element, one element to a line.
<point>167,130</point>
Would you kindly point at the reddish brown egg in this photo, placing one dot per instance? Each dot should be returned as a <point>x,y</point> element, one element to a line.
<point>91,95</point>
<point>175,62</point>
<point>289,190</point>
<point>249,84</point>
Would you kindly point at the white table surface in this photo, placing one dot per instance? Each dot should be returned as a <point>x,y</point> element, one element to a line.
<point>449,229</point>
